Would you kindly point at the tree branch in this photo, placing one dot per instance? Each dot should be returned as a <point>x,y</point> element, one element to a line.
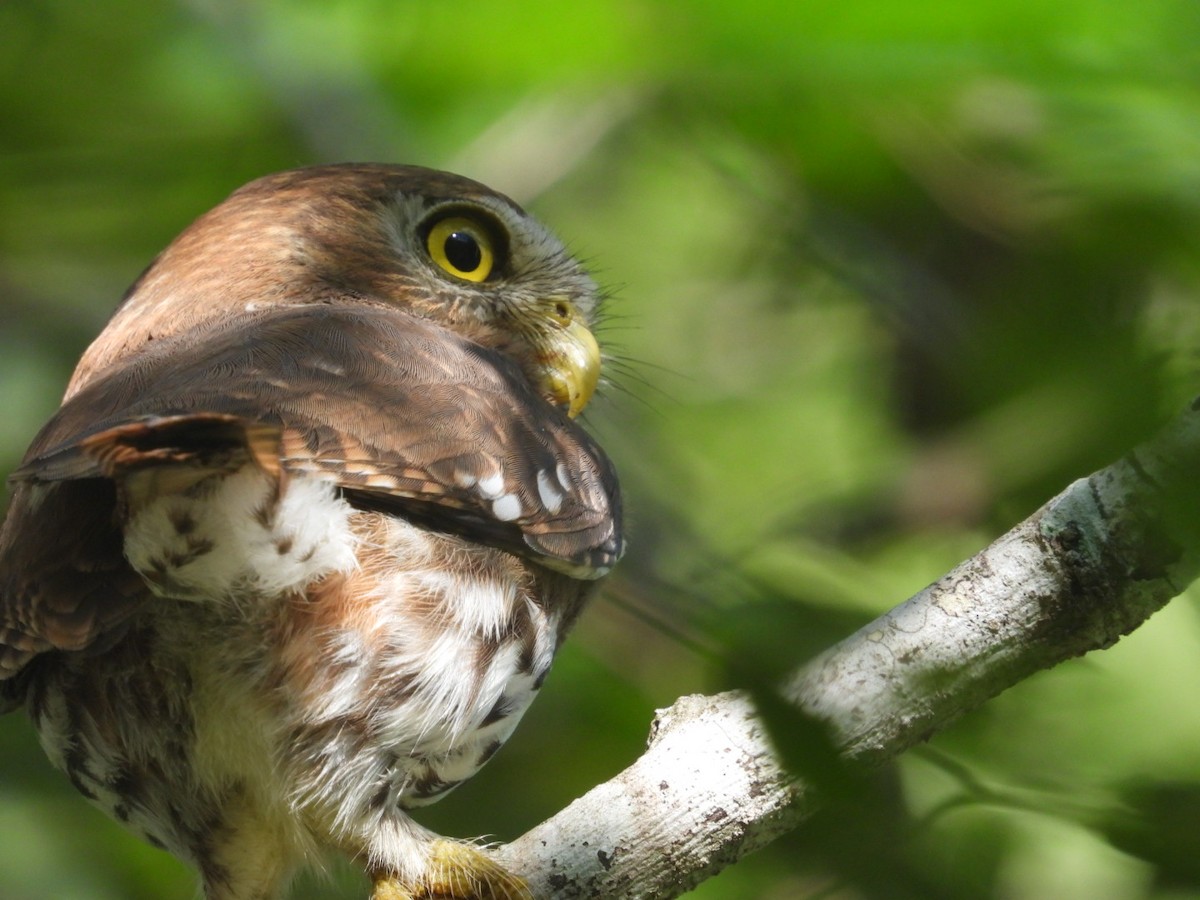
<point>1089,566</point>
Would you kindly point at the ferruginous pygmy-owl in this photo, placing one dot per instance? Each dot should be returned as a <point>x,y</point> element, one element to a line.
<point>298,549</point>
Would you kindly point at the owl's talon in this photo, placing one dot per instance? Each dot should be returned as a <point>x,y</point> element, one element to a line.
<point>455,871</point>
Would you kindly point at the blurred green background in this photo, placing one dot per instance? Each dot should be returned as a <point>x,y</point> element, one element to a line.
<point>885,277</point>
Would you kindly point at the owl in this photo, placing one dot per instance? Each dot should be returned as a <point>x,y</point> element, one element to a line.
<point>298,549</point>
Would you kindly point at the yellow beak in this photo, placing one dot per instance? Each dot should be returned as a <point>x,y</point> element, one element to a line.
<point>569,364</point>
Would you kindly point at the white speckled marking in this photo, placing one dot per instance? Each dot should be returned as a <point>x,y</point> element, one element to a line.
<point>492,486</point>
<point>551,496</point>
<point>507,508</point>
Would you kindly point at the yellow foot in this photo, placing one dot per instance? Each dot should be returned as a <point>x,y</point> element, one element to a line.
<point>455,871</point>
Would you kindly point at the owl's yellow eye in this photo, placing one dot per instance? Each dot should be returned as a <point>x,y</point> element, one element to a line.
<point>462,247</point>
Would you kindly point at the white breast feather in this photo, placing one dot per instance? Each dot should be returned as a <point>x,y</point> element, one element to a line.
<point>220,545</point>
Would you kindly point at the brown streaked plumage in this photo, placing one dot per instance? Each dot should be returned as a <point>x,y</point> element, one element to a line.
<point>299,547</point>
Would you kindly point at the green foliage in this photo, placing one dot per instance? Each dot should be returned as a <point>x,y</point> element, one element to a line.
<point>885,277</point>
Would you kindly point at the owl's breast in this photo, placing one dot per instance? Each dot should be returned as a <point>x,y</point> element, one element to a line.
<point>409,672</point>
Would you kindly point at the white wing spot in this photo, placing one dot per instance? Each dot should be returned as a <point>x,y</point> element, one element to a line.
<point>551,496</point>
<point>560,472</point>
<point>507,508</point>
<point>492,486</point>
<point>464,479</point>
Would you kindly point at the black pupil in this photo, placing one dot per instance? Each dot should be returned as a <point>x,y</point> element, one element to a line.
<point>462,250</point>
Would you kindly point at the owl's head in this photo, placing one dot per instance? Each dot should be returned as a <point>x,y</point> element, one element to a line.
<point>437,245</point>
